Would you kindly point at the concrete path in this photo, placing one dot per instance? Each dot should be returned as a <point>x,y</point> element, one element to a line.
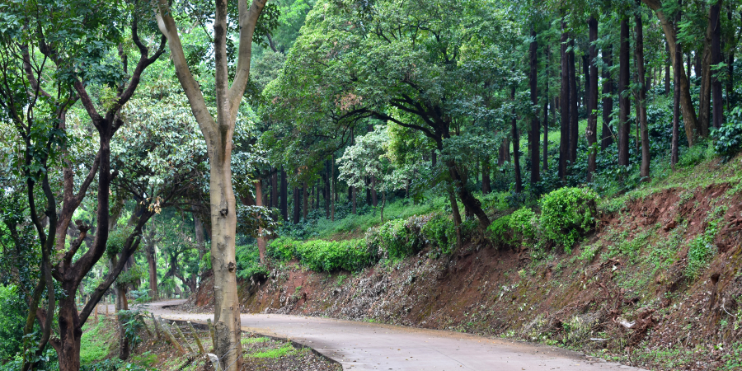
<point>369,346</point>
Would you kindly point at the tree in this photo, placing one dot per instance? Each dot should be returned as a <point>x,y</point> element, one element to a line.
<point>218,134</point>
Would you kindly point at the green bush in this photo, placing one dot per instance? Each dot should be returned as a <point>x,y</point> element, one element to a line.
<point>701,250</point>
<point>499,231</point>
<point>331,256</point>
<point>282,248</point>
<point>728,138</point>
<point>11,322</point>
<point>248,262</point>
<point>440,232</point>
<point>567,214</point>
<point>400,238</point>
<point>523,224</point>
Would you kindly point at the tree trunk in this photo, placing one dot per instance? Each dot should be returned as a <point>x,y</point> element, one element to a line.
<point>152,264</point>
<point>327,192</point>
<point>274,188</point>
<point>565,104</point>
<point>642,95</point>
<point>433,158</point>
<point>353,192</point>
<point>667,69</point>
<point>333,188</point>
<point>486,186</point>
<point>574,130</point>
<point>689,113</point>
<point>305,201</point>
<point>284,198</point>
<point>456,214</point>
<point>607,135</point>
<point>297,205</point>
<point>516,147</point>
<point>259,202</point>
<point>624,103</point>
<point>546,111</point>
<point>716,88</point>
<point>535,133</point>
<point>704,99</point>
<point>70,333</point>
<point>374,198</point>
<point>678,70</point>
<point>592,101</point>
<point>122,304</point>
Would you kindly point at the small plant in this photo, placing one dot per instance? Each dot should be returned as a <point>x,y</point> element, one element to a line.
<point>728,138</point>
<point>132,322</point>
<point>441,232</point>
<point>567,214</point>
<point>499,231</point>
<point>523,223</point>
<point>701,250</point>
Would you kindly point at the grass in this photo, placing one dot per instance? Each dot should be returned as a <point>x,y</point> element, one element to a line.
<point>274,353</point>
<point>91,349</point>
<point>253,340</point>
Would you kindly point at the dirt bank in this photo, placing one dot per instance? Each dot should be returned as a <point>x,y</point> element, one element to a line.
<point>629,292</point>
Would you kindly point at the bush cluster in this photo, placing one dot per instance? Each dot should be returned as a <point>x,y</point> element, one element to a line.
<point>322,255</point>
<point>728,138</point>
<point>566,215</point>
<point>396,239</point>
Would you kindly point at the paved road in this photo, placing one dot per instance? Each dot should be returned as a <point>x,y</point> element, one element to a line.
<point>368,346</point>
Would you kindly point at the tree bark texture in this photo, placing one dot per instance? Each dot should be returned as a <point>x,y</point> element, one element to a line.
<point>592,101</point>
<point>283,199</point>
<point>535,133</point>
<point>564,109</point>
<point>218,134</point>
<point>716,58</point>
<point>642,95</point>
<point>678,71</point>
<point>516,147</point>
<point>690,120</point>
<point>574,130</point>
<point>624,102</point>
<point>607,132</point>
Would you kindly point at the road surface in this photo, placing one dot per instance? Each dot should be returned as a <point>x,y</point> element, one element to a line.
<point>370,346</point>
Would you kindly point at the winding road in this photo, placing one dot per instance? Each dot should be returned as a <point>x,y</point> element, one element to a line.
<point>371,346</point>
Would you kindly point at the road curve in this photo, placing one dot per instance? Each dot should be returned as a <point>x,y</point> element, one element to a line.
<point>370,346</point>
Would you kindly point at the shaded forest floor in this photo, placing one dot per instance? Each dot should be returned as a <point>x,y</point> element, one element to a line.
<point>100,351</point>
<point>634,291</point>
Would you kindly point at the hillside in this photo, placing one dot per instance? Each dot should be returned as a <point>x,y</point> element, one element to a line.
<point>655,284</point>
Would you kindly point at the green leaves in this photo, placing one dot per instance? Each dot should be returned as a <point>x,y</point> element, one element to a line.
<point>567,213</point>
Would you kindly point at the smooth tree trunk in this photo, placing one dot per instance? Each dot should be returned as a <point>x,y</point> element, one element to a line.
<point>607,133</point>
<point>564,109</point>
<point>667,69</point>
<point>305,201</point>
<point>690,121</point>
<point>486,181</point>
<point>703,64</point>
<point>535,132</point>
<point>284,194</point>
<point>262,243</point>
<point>297,205</point>
<point>624,103</point>
<point>592,101</point>
<point>218,134</point>
<point>152,265</point>
<point>716,58</point>
<point>642,95</point>
<point>574,131</point>
<point>678,70</point>
<point>516,147</point>
<point>545,150</point>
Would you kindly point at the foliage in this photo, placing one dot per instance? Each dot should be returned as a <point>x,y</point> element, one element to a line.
<point>499,231</point>
<point>701,249</point>
<point>440,232</point>
<point>248,262</point>
<point>325,256</point>
<point>11,322</point>
<point>524,223</point>
<point>728,138</point>
<point>397,238</point>
<point>132,322</point>
<point>568,213</point>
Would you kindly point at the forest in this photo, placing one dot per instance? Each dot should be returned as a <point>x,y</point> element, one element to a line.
<point>152,150</point>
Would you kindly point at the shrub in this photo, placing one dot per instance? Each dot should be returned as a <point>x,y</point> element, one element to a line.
<point>248,263</point>
<point>282,248</point>
<point>523,223</point>
<point>400,238</point>
<point>701,250</point>
<point>499,231</point>
<point>331,256</point>
<point>568,213</point>
<point>728,138</point>
<point>440,232</point>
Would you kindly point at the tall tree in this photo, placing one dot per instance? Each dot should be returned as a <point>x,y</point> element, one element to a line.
<point>592,101</point>
<point>535,132</point>
<point>624,103</point>
<point>677,56</point>
<point>642,93</point>
<point>607,132</point>
<point>565,105</point>
<point>218,133</point>
<point>716,58</point>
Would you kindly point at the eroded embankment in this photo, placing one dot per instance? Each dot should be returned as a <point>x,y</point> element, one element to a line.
<point>657,285</point>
